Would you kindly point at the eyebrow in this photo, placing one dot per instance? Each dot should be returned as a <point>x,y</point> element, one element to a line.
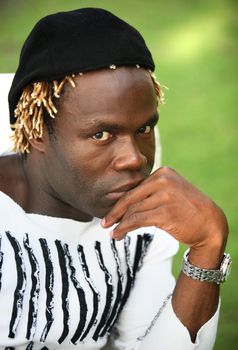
<point>116,127</point>
<point>153,120</point>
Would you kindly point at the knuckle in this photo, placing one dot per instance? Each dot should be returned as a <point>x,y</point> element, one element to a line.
<point>166,196</point>
<point>134,218</point>
<point>126,198</point>
<point>163,180</point>
<point>132,208</point>
<point>165,170</point>
<point>166,176</point>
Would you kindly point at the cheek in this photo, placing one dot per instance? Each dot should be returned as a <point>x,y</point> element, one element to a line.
<point>86,166</point>
<point>147,148</point>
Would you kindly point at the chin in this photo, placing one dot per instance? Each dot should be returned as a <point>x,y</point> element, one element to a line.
<point>101,212</point>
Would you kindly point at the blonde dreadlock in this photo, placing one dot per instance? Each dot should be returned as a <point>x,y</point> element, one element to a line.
<point>30,108</point>
<point>159,89</point>
<point>38,97</point>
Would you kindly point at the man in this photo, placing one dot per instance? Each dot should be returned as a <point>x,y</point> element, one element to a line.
<point>83,107</point>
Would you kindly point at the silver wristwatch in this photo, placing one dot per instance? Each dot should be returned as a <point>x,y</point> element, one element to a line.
<point>207,275</point>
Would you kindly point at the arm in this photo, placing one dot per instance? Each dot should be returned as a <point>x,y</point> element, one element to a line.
<point>195,302</point>
<point>168,201</point>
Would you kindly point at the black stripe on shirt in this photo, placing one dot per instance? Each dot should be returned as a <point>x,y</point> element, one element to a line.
<point>109,293</point>
<point>117,301</point>
<point>35,290</point>
<point>81,298</point>
<point>65,289</point>
<point>20,286</point>
<point>49,285</point>
<point>96,295</point>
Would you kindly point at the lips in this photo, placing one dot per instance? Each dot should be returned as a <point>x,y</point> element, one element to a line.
<point>126,187</point>
<point>118,192</point>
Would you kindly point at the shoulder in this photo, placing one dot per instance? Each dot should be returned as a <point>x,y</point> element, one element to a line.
<point>5,161</point>
<point>12,180</point>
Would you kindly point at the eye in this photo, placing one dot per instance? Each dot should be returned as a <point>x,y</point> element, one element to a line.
<point>145,129</point>
<point>102,136</point>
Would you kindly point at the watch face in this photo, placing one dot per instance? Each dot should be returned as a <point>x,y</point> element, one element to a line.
<point>226,267</point>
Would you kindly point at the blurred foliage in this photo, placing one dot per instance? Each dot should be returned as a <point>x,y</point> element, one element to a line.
<point>194,44</point>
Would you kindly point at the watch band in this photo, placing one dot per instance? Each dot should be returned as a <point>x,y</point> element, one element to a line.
<point>207,275</point>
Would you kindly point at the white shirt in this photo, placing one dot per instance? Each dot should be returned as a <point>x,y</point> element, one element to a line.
<point>64,283</point>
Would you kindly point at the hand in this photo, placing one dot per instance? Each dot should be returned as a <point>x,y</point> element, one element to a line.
<point>168,201</point>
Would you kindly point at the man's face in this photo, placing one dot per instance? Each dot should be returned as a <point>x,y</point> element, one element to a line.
<point>104,140</point>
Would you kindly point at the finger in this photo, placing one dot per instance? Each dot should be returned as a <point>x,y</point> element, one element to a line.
<point>133,222</point>
<point>154,201</point>
<point>161,179</point>
<point>130,198</point>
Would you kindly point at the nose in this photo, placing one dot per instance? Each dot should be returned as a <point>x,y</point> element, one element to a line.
<point>128,156</point>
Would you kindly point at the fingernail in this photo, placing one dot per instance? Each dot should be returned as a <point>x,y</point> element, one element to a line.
<point>114,235</point>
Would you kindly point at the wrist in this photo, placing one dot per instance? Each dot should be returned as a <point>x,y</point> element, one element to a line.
<point>209,253</point>
<point>206,257</point>
<point>216,275</point>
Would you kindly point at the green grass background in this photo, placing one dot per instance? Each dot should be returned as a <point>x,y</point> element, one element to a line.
<point>194,44</point>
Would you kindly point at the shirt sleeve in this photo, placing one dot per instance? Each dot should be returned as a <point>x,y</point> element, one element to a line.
<point>148,321</point>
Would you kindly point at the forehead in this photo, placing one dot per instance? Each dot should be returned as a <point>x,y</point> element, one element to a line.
<point>116,94</point>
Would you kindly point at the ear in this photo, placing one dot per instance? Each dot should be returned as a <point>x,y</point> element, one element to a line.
<point>37,143</point>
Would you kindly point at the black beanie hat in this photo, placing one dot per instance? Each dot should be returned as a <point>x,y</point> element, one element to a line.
<point>76,41</point>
